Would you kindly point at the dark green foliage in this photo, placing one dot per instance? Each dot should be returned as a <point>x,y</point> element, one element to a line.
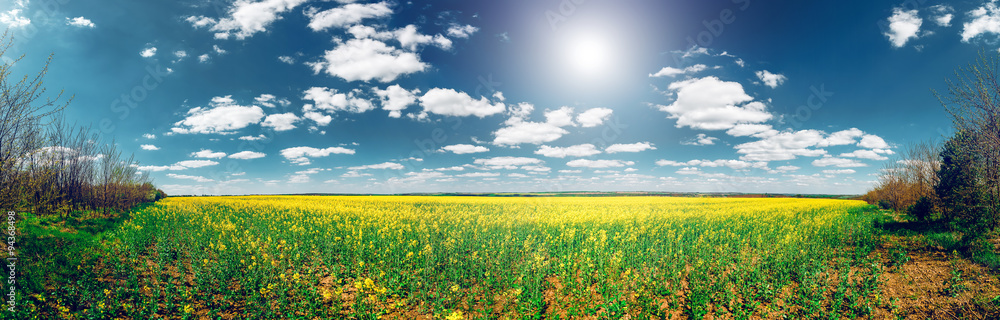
<point>922,210</point>
<point>961,189</point>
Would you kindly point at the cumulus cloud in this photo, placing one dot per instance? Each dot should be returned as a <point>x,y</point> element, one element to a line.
<point>942,14</point>
<point>449,102</point>
<point>208,154</point>
<point>985,19</point>
<point>395,99</point>
<point>520,132</point>
<point>281,121</point>
<point>593,117</point>
<point>771,79</point>
<point>14,18</point>
<point>864,154</point>
<point>149,147</point>
<point>587,163</point>
<point>561,117</point>
<point>222,115</point>
<point>368,59</point>
<point>701,140</point>
<point>732,164</point>
<point>80,22</point>
<point>873,142</point>
<point>244,18</point>
<point>182,165</point>
<point>580,150</point>
<point>903,26</point>
<point>187,177</point>
<point>384,165</point>
<point>631,147</point>
<point>478,174</point>
<point>507,162</point>
<point>783,146</point>
<point>837,162</point>
<point>712,104</point>
<point>346,15</point>
<point>301,155</point>
<point>841,171</point>
<point>747,129</point>
<point>460,31</point>
<point>330,100</point>
<point>247,155</point>
<point>672,72</point>
<point>409,38</point>
<point>464,148</point>
<point>148,52</point>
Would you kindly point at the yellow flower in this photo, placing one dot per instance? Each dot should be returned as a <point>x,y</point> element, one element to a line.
<point>188,308</point>
<point>456,315</point>
<point>295,276</point>
<point>455,288</point>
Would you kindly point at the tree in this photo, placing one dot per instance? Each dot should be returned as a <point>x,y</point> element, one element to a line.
<point>973,101</point>
<point>961,189</point>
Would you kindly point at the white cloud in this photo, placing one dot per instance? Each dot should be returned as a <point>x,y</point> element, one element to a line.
<point>149,147</point>
<point>787,168</point>
<point>844,137</point>
<point>286,59</point>
<point>187,177</point>
<point>837,162</point>
<point>671,71</point>
<point>385,165</point>
<point>319,118</point>
<point>561,117</point>
<point>528,132</point>
<point>464,148</point>
<point>80,22</point>
<point>580,150</point>
<point>701,140</point>
<point>864,154</point>
<point>593,117</point>
<point>785,145</point>
<point>253,138</point>
<point>985,19</point>
<point>587,163</point>
<point>732,164</point>
<point>148,52</point>
<point>632,147</point>
<point>346,15</point>
<point>478,174</point>
<point>841,171</point>
<point>395,99</point>
<point>459,31</point>
<point>301,155</point>
<point>218,50</point>
<point>196,163</point>
<point>208,154</point>
<point>747,129</point>
<point>873,142</point>
<point>247,155</point>
<point>942,14</point>
<point>903,26</point>
<point>245,18</point>
<point>180,54</point>
<point>330,100</point>
<point>222,116</point>
<point>507,162</point>
<point>712,104</point>
<point>271,101</point>
<point>367,59</point>
<point>771,79</point>
<point>149,136</point>
<point>281,121</point>
<point>204,58</point>
<point>14,19</point>
<point>453,103</point>
<point>409,38</point>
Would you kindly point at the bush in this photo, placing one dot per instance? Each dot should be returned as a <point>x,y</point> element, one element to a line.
<point>922,209</point>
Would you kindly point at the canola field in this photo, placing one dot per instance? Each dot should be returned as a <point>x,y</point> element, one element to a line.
<point>320,257</point>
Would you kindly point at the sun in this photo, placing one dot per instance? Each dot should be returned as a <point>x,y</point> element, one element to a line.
<point>589,55</point>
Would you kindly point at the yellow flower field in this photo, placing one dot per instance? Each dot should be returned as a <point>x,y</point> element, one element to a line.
<point>490,257</point>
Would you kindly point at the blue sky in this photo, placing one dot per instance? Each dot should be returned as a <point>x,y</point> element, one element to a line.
<point>290,96</point>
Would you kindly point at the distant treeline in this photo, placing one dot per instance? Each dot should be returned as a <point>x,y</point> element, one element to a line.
<point>48,166</point>
<point>956,183</point>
